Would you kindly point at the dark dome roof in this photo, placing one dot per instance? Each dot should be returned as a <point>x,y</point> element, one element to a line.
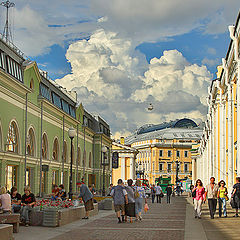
<point>179,123</point>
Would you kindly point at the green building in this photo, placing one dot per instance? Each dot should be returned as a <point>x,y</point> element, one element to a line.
<point>35,116</point>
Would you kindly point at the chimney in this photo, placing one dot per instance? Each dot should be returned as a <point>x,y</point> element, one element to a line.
<point>122,140</point>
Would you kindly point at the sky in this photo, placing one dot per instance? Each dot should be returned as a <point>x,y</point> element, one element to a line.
<point>121,55</point>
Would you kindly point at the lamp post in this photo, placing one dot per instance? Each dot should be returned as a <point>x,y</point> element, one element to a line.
<point>71,134</point>
<point>104,150</point>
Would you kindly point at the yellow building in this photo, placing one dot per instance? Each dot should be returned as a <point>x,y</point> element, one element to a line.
<point>164,146</point>
<point>126,162</point>
<point>219,150</point>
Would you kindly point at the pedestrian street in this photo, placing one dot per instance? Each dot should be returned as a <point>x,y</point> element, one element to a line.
<point>162,221</point>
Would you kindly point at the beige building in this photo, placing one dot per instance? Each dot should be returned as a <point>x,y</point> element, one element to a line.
<point>126,162</point>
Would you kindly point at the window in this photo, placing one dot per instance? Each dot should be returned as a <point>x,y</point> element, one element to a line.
<point>90,160</point>
<point>160,167</point>
<point>178,153</point>
<point>169,153</point>
<point>160,153</point>
<point>65,152</point>
<point>44,91</point>
<point>65,106</point>
<point>56,100</point>
<point>11,176</point>
<point>32,84</point>
<point>185,154</point>
<point>55,150</point>
<point>14,68</point>
<point>72,111</point>
<point>186,169</point>
<point>2,65</point>
<point>169,167</point>
<point>30,143</point>
<point>153,153</point>
<point>153,167</point>
<point>44,146</point>
<point>12,138</point>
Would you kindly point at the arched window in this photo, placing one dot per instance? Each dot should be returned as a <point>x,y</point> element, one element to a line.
<point>32,84</point>
<point>44,146</point>
<point>90,160</point>
<point>55,154</point>
<point>65,152</point>
<point>79,156</point>
<point>30,143</point>
<point>12,138</point>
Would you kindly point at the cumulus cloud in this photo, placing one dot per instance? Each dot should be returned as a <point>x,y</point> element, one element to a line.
<point>111,78</point>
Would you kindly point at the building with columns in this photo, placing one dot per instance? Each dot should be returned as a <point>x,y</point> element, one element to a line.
<point>164,146</point>
<point>219,150</point>
<point>126,162</point>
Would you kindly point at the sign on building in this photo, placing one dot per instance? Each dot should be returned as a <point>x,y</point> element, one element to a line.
<point>115,158</point>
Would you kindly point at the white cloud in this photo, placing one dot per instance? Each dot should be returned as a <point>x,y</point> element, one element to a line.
<point>106,76</point>
<point>211,62</point>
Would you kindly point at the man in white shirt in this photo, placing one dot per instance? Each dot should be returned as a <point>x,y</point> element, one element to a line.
<point>158,193</point>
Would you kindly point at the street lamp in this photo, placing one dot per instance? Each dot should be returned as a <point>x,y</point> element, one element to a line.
<point>104,150</point>
<point>71,134</point>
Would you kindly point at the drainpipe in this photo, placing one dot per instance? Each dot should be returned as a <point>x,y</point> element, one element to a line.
<point>230,129</point>
<point>77,163</point>
<point>25,149</point>
<point>220,132</point>
<point>237,59</point>
<point>40,170</point>
<point>63,151</point>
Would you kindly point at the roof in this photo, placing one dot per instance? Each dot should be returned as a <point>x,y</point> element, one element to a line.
<point>182,123</point>
<point>184,128</point>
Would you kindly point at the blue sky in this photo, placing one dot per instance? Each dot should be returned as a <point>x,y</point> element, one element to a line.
<point>121,55</point>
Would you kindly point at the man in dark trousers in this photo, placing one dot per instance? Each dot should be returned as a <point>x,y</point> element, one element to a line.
<point>169,193</point>
<point>211,195</point>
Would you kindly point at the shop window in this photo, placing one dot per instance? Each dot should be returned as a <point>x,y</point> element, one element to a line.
<point>55,150</point>
<point>30,143</point>
<point>11,176</point>
<point>44,146</point>
<point>12,138</point>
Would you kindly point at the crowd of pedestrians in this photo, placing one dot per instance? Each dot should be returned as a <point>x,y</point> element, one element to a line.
<point>215,194</point>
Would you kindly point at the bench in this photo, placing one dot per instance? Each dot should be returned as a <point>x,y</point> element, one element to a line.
<point>6,232</point>
<point>13,219</point>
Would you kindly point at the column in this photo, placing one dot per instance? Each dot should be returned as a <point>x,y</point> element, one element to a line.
<point>123,167</point>
<point>132,168</point>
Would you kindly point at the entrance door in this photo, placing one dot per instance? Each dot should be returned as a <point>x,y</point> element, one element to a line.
<point>91,179</point>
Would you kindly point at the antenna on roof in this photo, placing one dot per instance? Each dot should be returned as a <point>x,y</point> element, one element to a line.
<point>7,31</point>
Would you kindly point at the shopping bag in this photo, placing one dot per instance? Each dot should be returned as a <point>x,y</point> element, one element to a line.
<point>146,208</point>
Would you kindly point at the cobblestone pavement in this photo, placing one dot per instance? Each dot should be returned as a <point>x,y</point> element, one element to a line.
<point>221,228</point>
<point>163,221</point>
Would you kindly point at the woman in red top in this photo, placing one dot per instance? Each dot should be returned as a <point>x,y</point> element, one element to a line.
<point>198,198</point>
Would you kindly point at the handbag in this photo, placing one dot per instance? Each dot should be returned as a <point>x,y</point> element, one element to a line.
<point>161,195</point>
<point>194,193</point>
<point>146,208</point>
<point>232,203</point>
<point>227,198</point>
